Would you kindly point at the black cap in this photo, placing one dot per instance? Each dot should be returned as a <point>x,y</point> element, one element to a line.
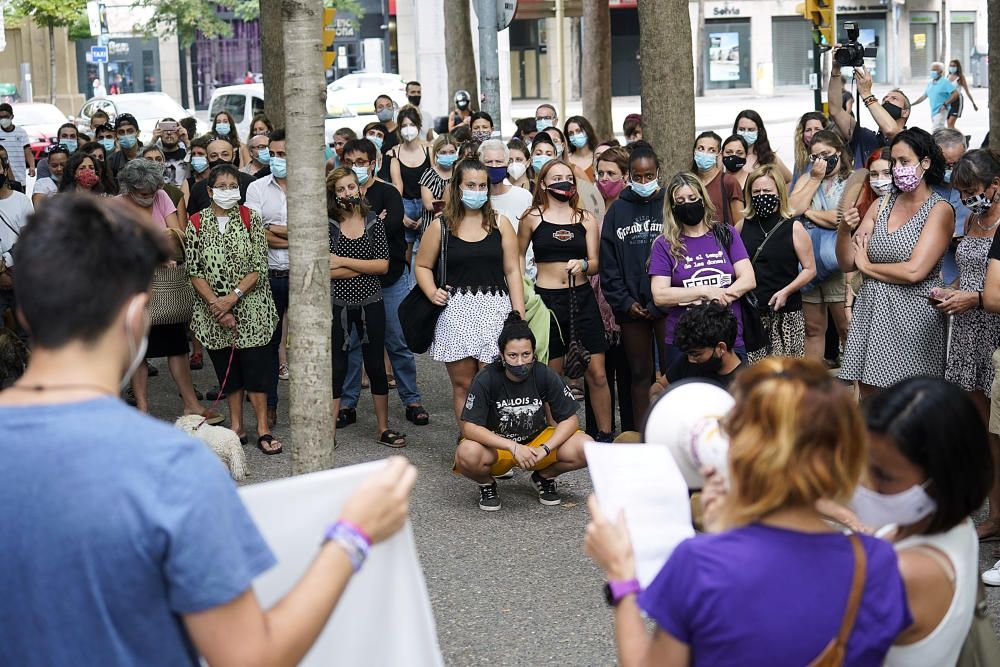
<point>104,127</point>
<point>124,118</point>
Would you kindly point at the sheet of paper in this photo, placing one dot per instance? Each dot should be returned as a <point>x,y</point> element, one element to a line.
<point>643,480</point>
<point>384,616</point>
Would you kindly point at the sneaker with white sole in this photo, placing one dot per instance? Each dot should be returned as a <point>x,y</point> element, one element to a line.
<point>547,494</point>
<point>489,499</point>
<point>991,577</point>
<point>507,475</point>
<point>283,372</point>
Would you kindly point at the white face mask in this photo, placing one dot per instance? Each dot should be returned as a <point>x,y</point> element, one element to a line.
<point>902,509</point>
<point>517,169</point>
<point>882,186</point>
<point>225,199</point>
<point>136,352</point>
<point>409,133</point>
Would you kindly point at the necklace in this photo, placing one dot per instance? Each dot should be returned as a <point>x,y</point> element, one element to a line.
<point>979,223</point>
<point>58,387</point>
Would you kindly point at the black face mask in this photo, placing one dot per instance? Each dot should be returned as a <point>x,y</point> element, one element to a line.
<point>710,367</point>
<point>562,191</point>
<point>3,179</point>
<point>462,104</point>
<point>413,99</point>
<point>892,110</point>
<point>690,213</point>
<point>733,163</point>
<point>765,204</point>
<point>349,203</point>
<point>215,163</point>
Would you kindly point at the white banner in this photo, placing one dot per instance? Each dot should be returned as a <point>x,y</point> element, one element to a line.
<point>384,616</point>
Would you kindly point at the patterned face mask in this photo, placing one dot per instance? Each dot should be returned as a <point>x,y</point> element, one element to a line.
<point>765,204</point>
<point>905,177</point>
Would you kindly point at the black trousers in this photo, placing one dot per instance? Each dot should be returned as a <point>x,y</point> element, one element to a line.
<point>369,321</point>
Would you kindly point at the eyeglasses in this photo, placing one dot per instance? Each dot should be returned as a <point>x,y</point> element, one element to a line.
<point>357,163</point>
<point>226,187</point>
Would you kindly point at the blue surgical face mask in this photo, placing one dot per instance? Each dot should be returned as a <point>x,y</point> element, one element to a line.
<point>474,199</point>
<point>222,129</point>
<point>446,160</point>
<point>935,74</point>
<point>375,139</point>
<point>279,167</point>
<point>264,156</point>
<point>952,70</point>
<point>645,189</point>
<point>539,161</point>
<point>947,175</point>
<point>578,140</point>
<point>749,135</point>
<point>199,163</point>
<point>128,141</point>
<point>705,161</point>
<point>542,124</point>
<point>109,144</point>
<point>361,173</point>
<point>70,144</point>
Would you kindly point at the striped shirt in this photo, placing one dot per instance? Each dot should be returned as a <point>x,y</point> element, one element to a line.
<point>14,141</point>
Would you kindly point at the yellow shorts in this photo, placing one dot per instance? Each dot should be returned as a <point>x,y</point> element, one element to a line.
<point>505,460</point>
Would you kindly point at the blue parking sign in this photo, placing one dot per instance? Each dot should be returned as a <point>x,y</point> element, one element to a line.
<point>99,54</point>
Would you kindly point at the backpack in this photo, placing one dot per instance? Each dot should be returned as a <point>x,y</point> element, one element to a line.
<point>244,216</point>
<point>335,229</point>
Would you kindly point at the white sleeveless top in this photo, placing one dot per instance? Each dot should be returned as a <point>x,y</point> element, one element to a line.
<point>941,647</point>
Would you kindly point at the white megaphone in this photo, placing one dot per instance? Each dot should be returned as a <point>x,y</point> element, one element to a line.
<point>686,420</point>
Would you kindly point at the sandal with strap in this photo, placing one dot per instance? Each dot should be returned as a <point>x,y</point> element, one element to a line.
<point>989,530</point>
<point>391,438</point>
<point>270,440</point>
<point>418,415</point>
<point>346,417</point>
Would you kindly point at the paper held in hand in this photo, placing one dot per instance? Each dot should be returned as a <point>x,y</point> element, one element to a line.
<point>643,480</point>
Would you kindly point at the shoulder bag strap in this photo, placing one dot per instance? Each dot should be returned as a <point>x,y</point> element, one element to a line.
<point>767,237</point>
<point>726,213</point>
<point>443,258</point>
<point>3,218</point>
<point>857,589</point>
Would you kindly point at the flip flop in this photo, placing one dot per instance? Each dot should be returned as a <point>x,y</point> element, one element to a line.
<point>269,439</point>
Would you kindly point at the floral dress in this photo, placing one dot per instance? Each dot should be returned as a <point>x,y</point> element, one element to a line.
<point>223,259</point>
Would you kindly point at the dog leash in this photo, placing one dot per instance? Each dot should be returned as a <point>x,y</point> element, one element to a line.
<point>222,388</point>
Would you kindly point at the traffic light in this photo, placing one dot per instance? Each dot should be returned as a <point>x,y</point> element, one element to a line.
<point>329,34</point>
<point>820,14</point>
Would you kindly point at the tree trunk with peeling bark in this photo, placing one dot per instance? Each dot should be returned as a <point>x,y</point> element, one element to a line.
<point>667,72</point>
<point>309,316</point>
<point>461,58</point>
<point>273,60</point>
<point>597,67</point>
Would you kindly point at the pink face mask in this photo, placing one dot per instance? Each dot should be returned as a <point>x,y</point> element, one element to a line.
<point>905,177</point>
<point>611,189</point>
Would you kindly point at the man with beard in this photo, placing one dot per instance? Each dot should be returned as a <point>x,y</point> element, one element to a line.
<point>220,151</point>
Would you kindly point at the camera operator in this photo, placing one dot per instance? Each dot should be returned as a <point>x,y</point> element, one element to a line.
<point>891,115</point>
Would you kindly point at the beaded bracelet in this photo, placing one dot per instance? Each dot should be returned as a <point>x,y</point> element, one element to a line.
<point>355,543</point>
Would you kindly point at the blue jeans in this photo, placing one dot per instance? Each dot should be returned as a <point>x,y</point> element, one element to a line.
<point>279,289</point>
<point>414,209</point>
<point>404,367</point>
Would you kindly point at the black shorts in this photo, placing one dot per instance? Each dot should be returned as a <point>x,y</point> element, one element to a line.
<point>589,327</point>
<point>167,340</point>
<point>251,369</point>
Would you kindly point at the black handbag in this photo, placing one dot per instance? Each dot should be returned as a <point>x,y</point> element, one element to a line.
<point>577,357</point>
<point>755,338</point>
<point>418,316</point>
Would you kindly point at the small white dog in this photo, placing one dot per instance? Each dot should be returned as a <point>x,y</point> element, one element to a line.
<point>223,441</point>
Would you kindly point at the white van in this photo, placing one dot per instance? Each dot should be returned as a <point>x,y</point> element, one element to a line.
<point>242,101</point>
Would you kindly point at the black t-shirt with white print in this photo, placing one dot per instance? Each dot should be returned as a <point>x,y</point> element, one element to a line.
<point>516,410</point>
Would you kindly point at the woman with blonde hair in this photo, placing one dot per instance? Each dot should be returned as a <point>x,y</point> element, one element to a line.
<point>809,124</point>
<point>697,259</point>
<point>775,587</point>
<point>782,257</point>
<point>482,277</point>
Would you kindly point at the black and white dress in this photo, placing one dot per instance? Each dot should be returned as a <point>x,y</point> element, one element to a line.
<point>975,333</point>
<point>895,333</point>
<point>433,182</point>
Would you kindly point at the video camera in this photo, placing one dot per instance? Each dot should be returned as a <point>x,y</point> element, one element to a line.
<point>852,53</point>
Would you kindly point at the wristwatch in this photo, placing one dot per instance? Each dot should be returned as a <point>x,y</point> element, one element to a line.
<point>238,292</point>
<point>615,591</point>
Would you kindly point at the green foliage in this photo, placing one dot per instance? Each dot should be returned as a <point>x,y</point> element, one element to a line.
<point>248,10</point>
<point>184,18</point>
<point>49,13</point>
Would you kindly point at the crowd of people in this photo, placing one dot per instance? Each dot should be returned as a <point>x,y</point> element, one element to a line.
<point>548,269</point>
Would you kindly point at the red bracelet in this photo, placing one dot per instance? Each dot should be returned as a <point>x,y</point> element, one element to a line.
<point>356,528</point>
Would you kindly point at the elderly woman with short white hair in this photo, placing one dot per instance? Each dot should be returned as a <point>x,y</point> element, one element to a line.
<point>142,194</point>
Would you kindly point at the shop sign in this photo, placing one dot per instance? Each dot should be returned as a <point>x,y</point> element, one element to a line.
<point>118,48</point>
<point>856,9</point>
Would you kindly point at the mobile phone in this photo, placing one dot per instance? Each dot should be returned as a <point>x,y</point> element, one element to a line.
<point>934,300</point>
<point>168,126</point>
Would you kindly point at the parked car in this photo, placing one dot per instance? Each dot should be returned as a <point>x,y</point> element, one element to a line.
<point>41,121</point>
<point>8,93</point>
<point>243,102</point>
<point>148,109</point>
<point>358,91</point>
<point>342,116</point>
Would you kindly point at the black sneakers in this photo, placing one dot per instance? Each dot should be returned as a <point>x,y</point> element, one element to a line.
<point>489,499</point>
<point>547,494</point>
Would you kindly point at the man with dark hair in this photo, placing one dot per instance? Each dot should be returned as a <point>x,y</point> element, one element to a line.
<point>168,133</point>
<point>127,130</point>
<point>890,116</point>
<point>219,152</point>
<point>705,335</point>
<point>414,94</point>
<point>384,201</point>
<point>136,549</point>
<point>385,111</point>
<point>632,128</point>
<point>15,140</point>
<point>340,137</point>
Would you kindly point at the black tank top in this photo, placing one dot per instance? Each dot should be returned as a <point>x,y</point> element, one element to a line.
<point>411,176</point>
<point>476,267</point>
<point>559,243</point>
<point>777,264</point>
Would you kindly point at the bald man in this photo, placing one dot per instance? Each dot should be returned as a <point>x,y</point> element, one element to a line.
<point>220,151</point>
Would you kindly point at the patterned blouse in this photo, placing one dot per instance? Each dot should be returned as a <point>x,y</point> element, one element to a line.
<point>223,259</point>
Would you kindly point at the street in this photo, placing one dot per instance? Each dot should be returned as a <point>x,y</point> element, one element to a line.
<point>508,588</point>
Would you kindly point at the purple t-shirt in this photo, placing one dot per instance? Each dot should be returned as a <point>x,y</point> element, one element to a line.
<point>760,595</point>
<point>706,263</point>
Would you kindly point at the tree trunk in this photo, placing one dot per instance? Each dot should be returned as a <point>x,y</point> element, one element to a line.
<point>597,67</point>
<point>993,35</point>
<point>667,92</point>
<point>309,316</point>
<point>273,60</point>
<point>699,65</point>
<point>52,65</point>
<point>461,57</point>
